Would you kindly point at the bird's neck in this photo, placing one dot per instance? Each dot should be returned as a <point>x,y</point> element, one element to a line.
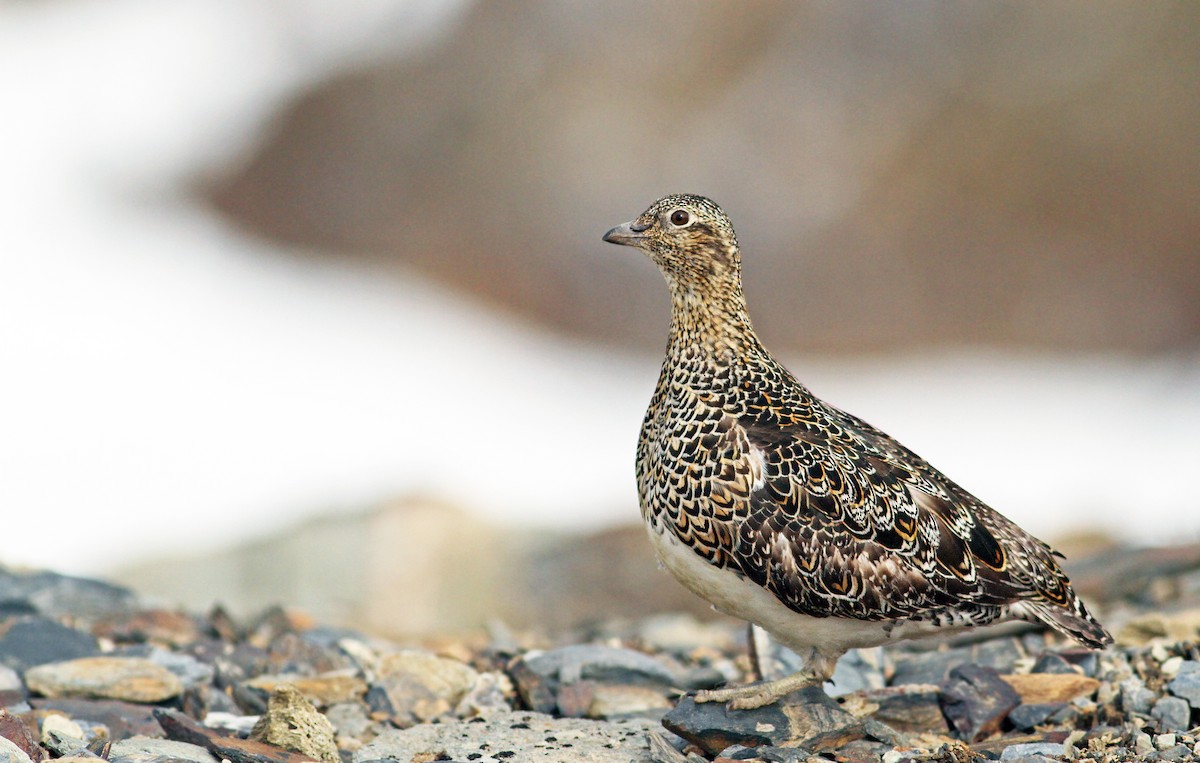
<point>713,322</point>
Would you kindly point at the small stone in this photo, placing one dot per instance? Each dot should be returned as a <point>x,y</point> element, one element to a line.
<point>62,735</point>
<point>1048,662</point>
<point>122,719</point>
<point>912,708</point>
<point>1029,717</point>
<point>1171,666</point>
<point>488,695</point>
<point>38,640</point>
<point>132,679</point>
<point>976,701</point>
<point>620,700</point>
<point>324,690</point>
<point>1142,743</point>
<point>1018,752</point>
<point>55,595</point>
<point>1172,714</point>
<point>523,737</point>
<point>11,753</point>
<point>1135,697</point>
<point>603,664</point>
<point>149,750</point>
<point>157,626</point>
<point>181,728</point>
<point>1040,688</point>
<point>10,680</point>
<point>291,722</point>
<point>444,678</point>
<point>1163,741</point>
<point>816,723</point>
<point>1186,684</point>
<point>1178,752</point>
<point>349,719</point>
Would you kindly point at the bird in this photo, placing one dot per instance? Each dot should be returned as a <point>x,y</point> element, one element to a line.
<point>785,511</point>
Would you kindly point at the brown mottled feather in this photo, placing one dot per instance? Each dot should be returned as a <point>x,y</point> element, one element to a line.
<point>743,465</point>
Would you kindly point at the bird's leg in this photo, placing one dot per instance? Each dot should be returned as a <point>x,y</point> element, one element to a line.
<point>818,667</point>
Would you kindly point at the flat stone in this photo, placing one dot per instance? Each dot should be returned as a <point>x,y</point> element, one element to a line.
<point>1019,752</point>
<point>157,626</point>
<point>151,750</point>
<point>325,689</point>
<point>934,666</point>
<point>10,680</point>
<point>911,708</point>
<point>15,730</point>
<point>603,664</point>
<point>291,722</point>
<point>131,679</point>
<point>443,677</point>
<point>1186,684</point>
<point>816,723</point>
<point>620,700</point>
<point>122,719</point>
<point>54,595</point>
<point>976,701</point>
<point>61,735</point>
<point>1040,688</point>
<point>523,737</point>
<point>1049,662</point>
<point>1027,717</point>
<point>11,753</point>
<point>1172,714</point>
<point>38,640</point>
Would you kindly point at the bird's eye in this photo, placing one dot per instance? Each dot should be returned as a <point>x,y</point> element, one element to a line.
<point>680,218</point>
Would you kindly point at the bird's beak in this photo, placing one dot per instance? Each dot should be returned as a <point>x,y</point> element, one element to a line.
<point>626,234</point>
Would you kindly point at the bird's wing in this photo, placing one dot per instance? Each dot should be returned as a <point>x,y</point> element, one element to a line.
<point>845,521</point>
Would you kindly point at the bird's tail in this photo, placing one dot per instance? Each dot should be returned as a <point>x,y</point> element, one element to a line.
<point>1072,620</point>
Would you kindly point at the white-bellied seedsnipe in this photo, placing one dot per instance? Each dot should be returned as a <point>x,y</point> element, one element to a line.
<point>785,511</point>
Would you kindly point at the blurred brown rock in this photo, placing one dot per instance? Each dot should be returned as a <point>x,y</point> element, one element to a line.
<point>1004,173</point>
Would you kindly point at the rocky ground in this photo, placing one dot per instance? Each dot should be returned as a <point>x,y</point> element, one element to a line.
<point>90,670</point>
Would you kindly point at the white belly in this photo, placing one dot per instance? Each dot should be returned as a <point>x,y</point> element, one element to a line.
<point>740,597</point>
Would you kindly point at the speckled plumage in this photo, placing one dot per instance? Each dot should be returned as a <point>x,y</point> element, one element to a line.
<point>788,512</point>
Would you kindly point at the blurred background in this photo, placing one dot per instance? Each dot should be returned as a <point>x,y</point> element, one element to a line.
<point>306,300</point>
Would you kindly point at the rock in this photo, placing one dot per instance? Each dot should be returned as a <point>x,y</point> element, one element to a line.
<point>132,679</point>
<point>291,722</point>
<point>1039,688</point>
<point>912,708</point>
<point>912,666</point>
<point>1029,717</point>
<point>1186,684</point>
<point>179,727</point>
<point>1019,752</point>
<point>1049,662</point>
<point>324,690</point>
<point>191,671</point>
<point>149,750</point>
<point>976,701</point>
<point>349,720</point>
<point>54,595</point>
<point>10,680</point>
<point>156,626</point>
<point>620,700</point>
<point>490,694</point>
<point>1172,714</point>
<point>1135,697</point>
<point>603,664</point>
<point>816,723</point>
<point>61,735</point>
<point>16,731</point>
<point>38,640</point>
<point>423,684</point>
<point>522,737</point>
<point>11,753</point>
<point>122,719</point>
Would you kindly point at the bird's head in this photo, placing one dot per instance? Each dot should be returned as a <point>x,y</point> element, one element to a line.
<point>688,237</point>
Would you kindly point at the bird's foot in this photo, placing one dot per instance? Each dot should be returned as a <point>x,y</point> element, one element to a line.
<point>760,694</point>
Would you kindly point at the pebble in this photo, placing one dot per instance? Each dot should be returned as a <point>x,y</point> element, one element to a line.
<point>141,749</point>
<point>11,753</point>
<point>131,679</point>
<point>33,641</point>
<point>1040,688</point>
<point>1021,752</point>
<point>976,700</point>
<point>1186,684</point>
<point>1172,714</point>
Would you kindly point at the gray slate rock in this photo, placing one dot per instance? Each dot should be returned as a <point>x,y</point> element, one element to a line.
<point>142,749</point>
<point>976,701</point>
<point>1031,751</point>
<point>38,640</point>
<point>515,738</point>
<point>54,595</point>
<point>11,753</point>
<point>1135,697</point>
<point>1028,717</point>
<point>1172,714</point>
<point>1186,684</point>
<point>570,664</point>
